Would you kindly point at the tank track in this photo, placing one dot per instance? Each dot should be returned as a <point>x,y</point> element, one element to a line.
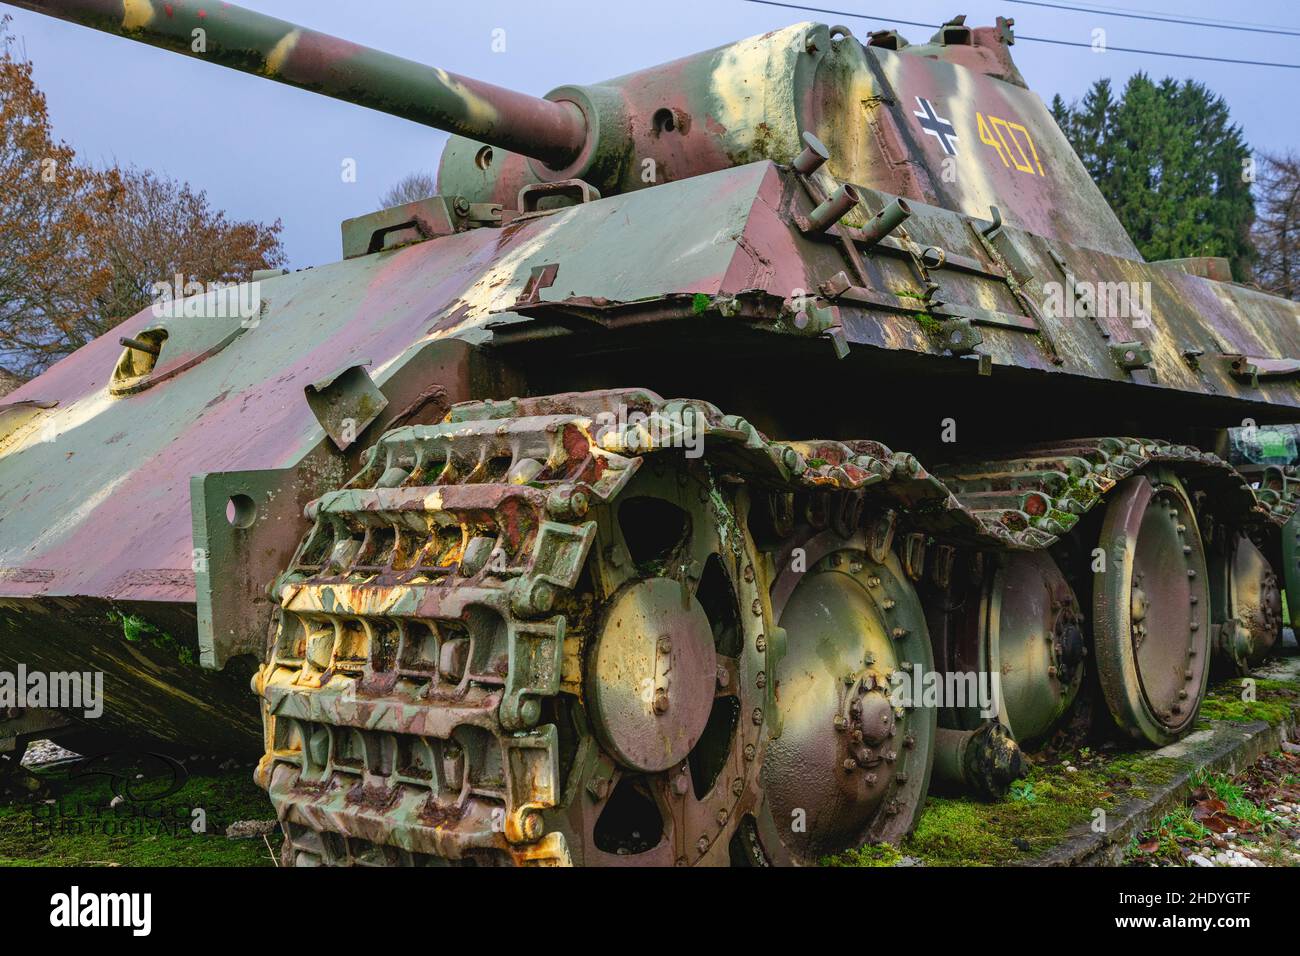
<point>417,651</point>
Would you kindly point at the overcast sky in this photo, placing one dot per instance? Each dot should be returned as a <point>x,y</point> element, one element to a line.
<point>264,150</point>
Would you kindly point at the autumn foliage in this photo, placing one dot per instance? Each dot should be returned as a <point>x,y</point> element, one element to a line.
<point>80,247</point>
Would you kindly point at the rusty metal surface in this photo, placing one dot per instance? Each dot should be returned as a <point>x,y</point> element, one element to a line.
<point>1151,609</point>
<point>420,683</point>
<point>848,759</point>
<point>1034,643</point>
<point>983,762</point>
<point>1246,599</point>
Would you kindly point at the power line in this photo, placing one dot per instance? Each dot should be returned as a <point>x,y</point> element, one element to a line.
<point>1210,21</point>
<point>1143,15</point>
<point>1019,36</point>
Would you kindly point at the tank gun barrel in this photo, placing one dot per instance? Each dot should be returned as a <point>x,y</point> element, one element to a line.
<point>552,132</point>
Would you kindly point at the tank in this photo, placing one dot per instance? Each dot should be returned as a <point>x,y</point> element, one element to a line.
<point>566,519</point>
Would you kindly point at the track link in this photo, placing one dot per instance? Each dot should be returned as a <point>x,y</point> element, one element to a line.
<point>417,649</point>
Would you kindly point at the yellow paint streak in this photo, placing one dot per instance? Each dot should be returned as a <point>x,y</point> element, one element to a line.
<point>137,14</point>
<point>275,60</point>
<point>479,112</point>
<point>976,189</point>
<point>753,93</point>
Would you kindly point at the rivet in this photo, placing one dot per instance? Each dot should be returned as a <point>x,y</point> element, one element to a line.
<point>757,716</point>
<point>761,679</point>
<point>760,644</point>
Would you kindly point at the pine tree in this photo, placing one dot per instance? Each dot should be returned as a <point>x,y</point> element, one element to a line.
<point>1171,163</point>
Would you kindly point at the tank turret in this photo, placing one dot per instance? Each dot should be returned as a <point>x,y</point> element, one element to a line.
<point>895,117</point>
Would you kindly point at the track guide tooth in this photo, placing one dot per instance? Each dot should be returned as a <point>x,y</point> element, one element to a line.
<point>416,641</point>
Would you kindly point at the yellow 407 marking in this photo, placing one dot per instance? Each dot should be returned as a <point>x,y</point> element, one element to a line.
<point>1010,140</point>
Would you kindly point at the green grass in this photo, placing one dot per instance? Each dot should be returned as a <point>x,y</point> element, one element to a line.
<point>1274,702</point>
<point>81,829</point>
<point>1179,827</point>
<point>1051,802</point>
<point>1239,805</point>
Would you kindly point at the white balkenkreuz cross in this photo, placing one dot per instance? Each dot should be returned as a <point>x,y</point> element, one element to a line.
<point>936,126</point>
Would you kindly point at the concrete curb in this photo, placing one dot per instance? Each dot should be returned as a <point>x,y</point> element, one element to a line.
<point>1226,747</point>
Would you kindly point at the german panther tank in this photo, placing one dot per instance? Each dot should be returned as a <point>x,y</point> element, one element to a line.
<point>566,518</point>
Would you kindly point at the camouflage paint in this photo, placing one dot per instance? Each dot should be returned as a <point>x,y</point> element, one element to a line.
<point>116,466</point>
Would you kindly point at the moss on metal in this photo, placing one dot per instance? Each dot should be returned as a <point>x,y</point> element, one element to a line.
<point>1052,800</point>
<point>137,630</point>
